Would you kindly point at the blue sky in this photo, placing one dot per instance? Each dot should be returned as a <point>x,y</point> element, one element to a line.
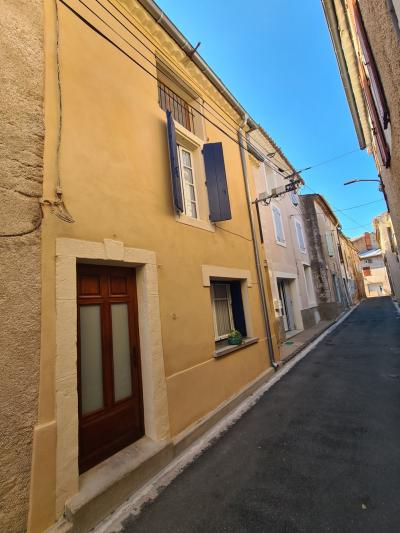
<point>276,57</point>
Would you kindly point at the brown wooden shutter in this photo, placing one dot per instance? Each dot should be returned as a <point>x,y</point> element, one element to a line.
<point>376,125</point>
<point>373,74</point>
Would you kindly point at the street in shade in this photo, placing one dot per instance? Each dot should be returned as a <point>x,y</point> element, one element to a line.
<point>319,452</point>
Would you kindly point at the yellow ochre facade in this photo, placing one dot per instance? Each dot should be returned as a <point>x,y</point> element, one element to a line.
<point>106,166</point>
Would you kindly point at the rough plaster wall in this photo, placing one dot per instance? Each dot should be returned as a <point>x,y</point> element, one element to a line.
<point>385,44</point>
<point>21,147</point>
<point>317,262</point>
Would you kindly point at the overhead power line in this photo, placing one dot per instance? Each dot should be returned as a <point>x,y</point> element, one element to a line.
<point>137,63</point>
<point>253,143</point>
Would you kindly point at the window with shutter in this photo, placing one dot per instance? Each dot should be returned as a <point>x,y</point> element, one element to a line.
<point>377,130</point>
<point>377,91</point>
<point>300,236</point>
<point>228,311</point>
<point>217,188</point>
<point>278,225</point>
<point>222,309</point>
<point>329,243</point>
<point>188,183</point>
<point>174,164</point>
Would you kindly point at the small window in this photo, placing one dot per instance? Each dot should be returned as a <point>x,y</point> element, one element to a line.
<point>367,271</point>
<point>180,109</point>
<point>188,182</point>
<point>300,236</point>
<point>309,284</point>
<point>228,312</point>
<point>278,225</point>
<point>269,176</point>
<point>329,243</point>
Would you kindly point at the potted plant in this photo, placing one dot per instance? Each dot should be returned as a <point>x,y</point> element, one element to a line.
<point>235,337</point>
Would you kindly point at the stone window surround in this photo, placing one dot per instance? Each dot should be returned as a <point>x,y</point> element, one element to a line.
<point>108,252</point>
<point>213,272</point>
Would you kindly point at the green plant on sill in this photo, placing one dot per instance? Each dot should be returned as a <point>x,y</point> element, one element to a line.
<point>235,337</point>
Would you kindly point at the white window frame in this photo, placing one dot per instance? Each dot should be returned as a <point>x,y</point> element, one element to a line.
<point>187,201</point>
<point>230,312</point>
<point>281,243</point>
<point>299,231</point>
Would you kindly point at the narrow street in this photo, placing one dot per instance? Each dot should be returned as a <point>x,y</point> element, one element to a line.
<point>318,453</point>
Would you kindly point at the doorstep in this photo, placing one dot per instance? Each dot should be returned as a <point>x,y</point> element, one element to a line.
<point>104,487</point>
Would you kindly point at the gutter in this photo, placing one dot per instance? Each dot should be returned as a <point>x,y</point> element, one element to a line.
<point>161,18</point>
<point>260,278</point>
<point>333,25</point>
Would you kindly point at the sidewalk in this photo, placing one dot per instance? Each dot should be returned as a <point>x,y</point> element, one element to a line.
<point>295,344</point>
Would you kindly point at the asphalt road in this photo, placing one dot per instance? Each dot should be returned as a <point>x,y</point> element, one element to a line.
<point>320,452</point>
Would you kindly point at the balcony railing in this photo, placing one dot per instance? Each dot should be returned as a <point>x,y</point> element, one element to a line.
<point>180,110</point>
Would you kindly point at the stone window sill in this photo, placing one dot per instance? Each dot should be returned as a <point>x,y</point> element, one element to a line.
<point>224,350</point>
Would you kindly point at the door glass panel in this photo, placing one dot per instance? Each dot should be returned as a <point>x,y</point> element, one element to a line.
<point>121,351</point>
<point>91,358</point>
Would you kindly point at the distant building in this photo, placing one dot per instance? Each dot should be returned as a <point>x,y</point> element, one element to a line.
<point>387,242</point>
<point>376,280</point>
<point>322,230</point>
<point>351,269</point>
<point>366,39</point>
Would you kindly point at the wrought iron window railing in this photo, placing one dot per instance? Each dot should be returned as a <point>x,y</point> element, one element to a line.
<point>180,109</point>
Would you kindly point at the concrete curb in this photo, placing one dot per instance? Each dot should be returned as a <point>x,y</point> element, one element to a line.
<point>152,488</point>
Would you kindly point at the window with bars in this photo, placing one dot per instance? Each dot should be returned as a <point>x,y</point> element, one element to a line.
<point>227,305</point>
<point>179,108</point>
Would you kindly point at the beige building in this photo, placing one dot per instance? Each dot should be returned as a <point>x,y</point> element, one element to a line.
<point>366,39</point>
<point>284,239</point>
<point>375,275</point>
<point>147,258</point>
<point>388,244</point>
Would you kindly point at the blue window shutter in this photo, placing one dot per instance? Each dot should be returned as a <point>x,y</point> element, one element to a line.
<point>217,189</point>
<point>174,163</point>
<point>237,307</point>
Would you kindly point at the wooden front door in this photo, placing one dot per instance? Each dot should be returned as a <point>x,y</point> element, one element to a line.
<point>109,377</point>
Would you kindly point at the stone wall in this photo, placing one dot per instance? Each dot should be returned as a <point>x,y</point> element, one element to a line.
<point>317,261</point>
<point>385,42</point>
<point>21,164</point>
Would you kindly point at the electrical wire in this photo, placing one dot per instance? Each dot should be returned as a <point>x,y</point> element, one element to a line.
<point>339,210</point>
<point>253,143</point>
<point>362,205</point>
<point>101,34</point>
<point>110,41</point>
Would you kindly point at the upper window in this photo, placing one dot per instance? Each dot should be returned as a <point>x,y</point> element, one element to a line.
<point>180,109</point>
<point>228,312</point>
<point>278,225</point>
<point>309,284</point>
<point>188,182</point>
<point>300,236</point>
<point>329,243</point>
